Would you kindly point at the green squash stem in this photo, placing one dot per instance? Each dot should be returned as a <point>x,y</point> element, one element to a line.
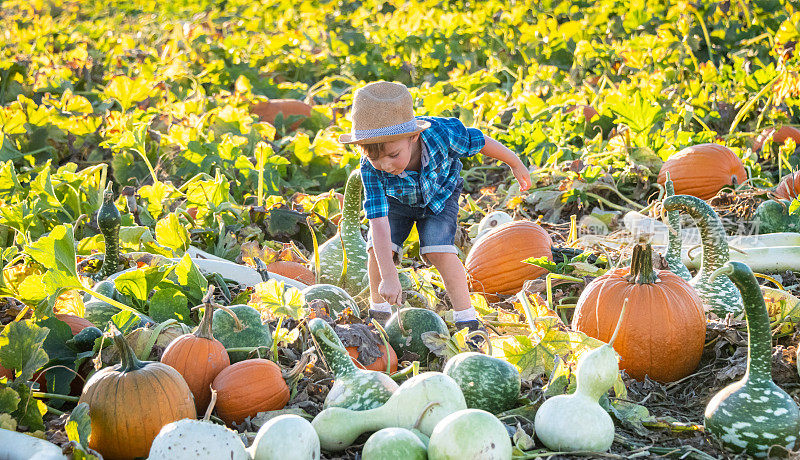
<point>642,265</point>
<point>129,361</point>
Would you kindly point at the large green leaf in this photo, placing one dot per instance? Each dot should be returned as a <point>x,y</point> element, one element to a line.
<point>22,348</point>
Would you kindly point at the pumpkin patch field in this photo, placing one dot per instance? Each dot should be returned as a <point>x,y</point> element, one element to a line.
<point>184,256</point>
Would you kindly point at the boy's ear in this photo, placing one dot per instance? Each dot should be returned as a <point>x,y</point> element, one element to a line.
<point>415,137</point>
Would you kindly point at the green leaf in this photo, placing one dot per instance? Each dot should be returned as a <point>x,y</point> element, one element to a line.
<point>190,277</point>
<point>133,284</point>
<point>535,355</point>
<point>636,112</point>
<point>9,400</point>
<point>126,321</point>
<point>127,91</point>
<point>79,425</point>
<point>56,251</point>
<point>22,348</point>
<point>171,233</point>
<point>30,410</point>
<point>280,300</point>
<point>168,303</point>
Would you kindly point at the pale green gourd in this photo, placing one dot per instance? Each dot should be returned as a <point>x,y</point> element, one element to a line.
<point>189,439</point>
<point>394,444</point>
<point>577,421</point>
<point>753,414</point>
<point>470,434</point>
<point>286,437</point>
<point>421,401</point>
<point>353,388</point>
<point>331,254</point>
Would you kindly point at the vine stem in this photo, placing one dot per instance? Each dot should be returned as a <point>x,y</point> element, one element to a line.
<point>39,394</point>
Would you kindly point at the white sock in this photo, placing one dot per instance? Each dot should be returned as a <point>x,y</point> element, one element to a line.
<point>465,315</point>
<point>382,307</point>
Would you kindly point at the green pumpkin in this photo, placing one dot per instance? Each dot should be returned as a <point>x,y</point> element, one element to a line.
<point>252,333</point>
<point>488,383</point>
<point>415,321</point>
<point>772,216</point>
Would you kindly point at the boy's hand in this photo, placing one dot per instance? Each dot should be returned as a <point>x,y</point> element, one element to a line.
<point>390,290</point>
<point>523,176</point>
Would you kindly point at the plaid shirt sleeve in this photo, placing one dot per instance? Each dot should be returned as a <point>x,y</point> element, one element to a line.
<point>462,141</point>
<point>375,202</point>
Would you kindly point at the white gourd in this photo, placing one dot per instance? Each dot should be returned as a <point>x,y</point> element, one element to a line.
<point>577,421</point>
<point>190,439</point>
<point>470,434</point>
<point>420,402</point>
<point>286,437</point>
<point>491,221</point>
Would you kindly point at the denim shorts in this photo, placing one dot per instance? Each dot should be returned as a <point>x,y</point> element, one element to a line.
<point>436,231</point>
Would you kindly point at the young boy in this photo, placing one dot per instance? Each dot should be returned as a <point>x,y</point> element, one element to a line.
<point>410,168</point>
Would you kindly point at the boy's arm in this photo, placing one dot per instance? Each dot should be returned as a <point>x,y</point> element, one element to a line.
<point>500,152</point>
<point>390,288</point>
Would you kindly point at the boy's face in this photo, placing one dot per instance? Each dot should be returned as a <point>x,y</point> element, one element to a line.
<point>396,155</point>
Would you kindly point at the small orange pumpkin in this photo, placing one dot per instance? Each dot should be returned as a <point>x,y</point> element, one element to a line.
<point>494,263</point>
<point>778,136</point>
<point>380,363</point>
<point>75,323</point>
<point>702,170</point>
<point>789,186</point>
<point>269,110</point>
<point>198,357</point>
<point>129,404</point>
<point>664,329</point>
<point>249,387</point>
<point>293,270</point>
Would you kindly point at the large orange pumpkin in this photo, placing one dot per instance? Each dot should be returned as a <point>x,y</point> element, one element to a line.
<point>129,404</point>
<point>269,110</point>
<point>380,363</point>
<point>198,357</point>
<point>663,332</point>
<point>702,170</point>
<point>778,136</point>
<point>293,270</point>
<point>789,187</point>
<point>249,387</point>
<point>494,263</point>
<point>75,323</point>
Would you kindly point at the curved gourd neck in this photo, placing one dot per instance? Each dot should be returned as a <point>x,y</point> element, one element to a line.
<point>715,244</point>
<point>674,248</point>
<point>759,337</point>
<point>332,349</point>
<point>642,265</point>
<point>352,204</point>
<point>129,361</point>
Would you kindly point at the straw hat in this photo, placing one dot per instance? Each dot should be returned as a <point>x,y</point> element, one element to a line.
<point>382,111</point>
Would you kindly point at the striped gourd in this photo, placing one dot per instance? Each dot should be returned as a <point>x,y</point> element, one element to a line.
<point>754,413</point>
<point>109,221</point>
<point>718,295</point>
<point>673,255</point>
<point>353,388</point>
<point>331,256</point>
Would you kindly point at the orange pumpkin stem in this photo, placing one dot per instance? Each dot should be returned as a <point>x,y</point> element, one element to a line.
<point>642,265</point>
<point>204,328</point>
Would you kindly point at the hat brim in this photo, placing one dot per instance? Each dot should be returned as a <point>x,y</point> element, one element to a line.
<point>348,138</point>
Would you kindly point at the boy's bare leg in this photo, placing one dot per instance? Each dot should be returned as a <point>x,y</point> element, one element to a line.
<point>374,274</point>
<point>454,277</point>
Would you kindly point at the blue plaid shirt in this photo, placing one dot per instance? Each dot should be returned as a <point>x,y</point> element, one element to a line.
<point>443,144</point>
